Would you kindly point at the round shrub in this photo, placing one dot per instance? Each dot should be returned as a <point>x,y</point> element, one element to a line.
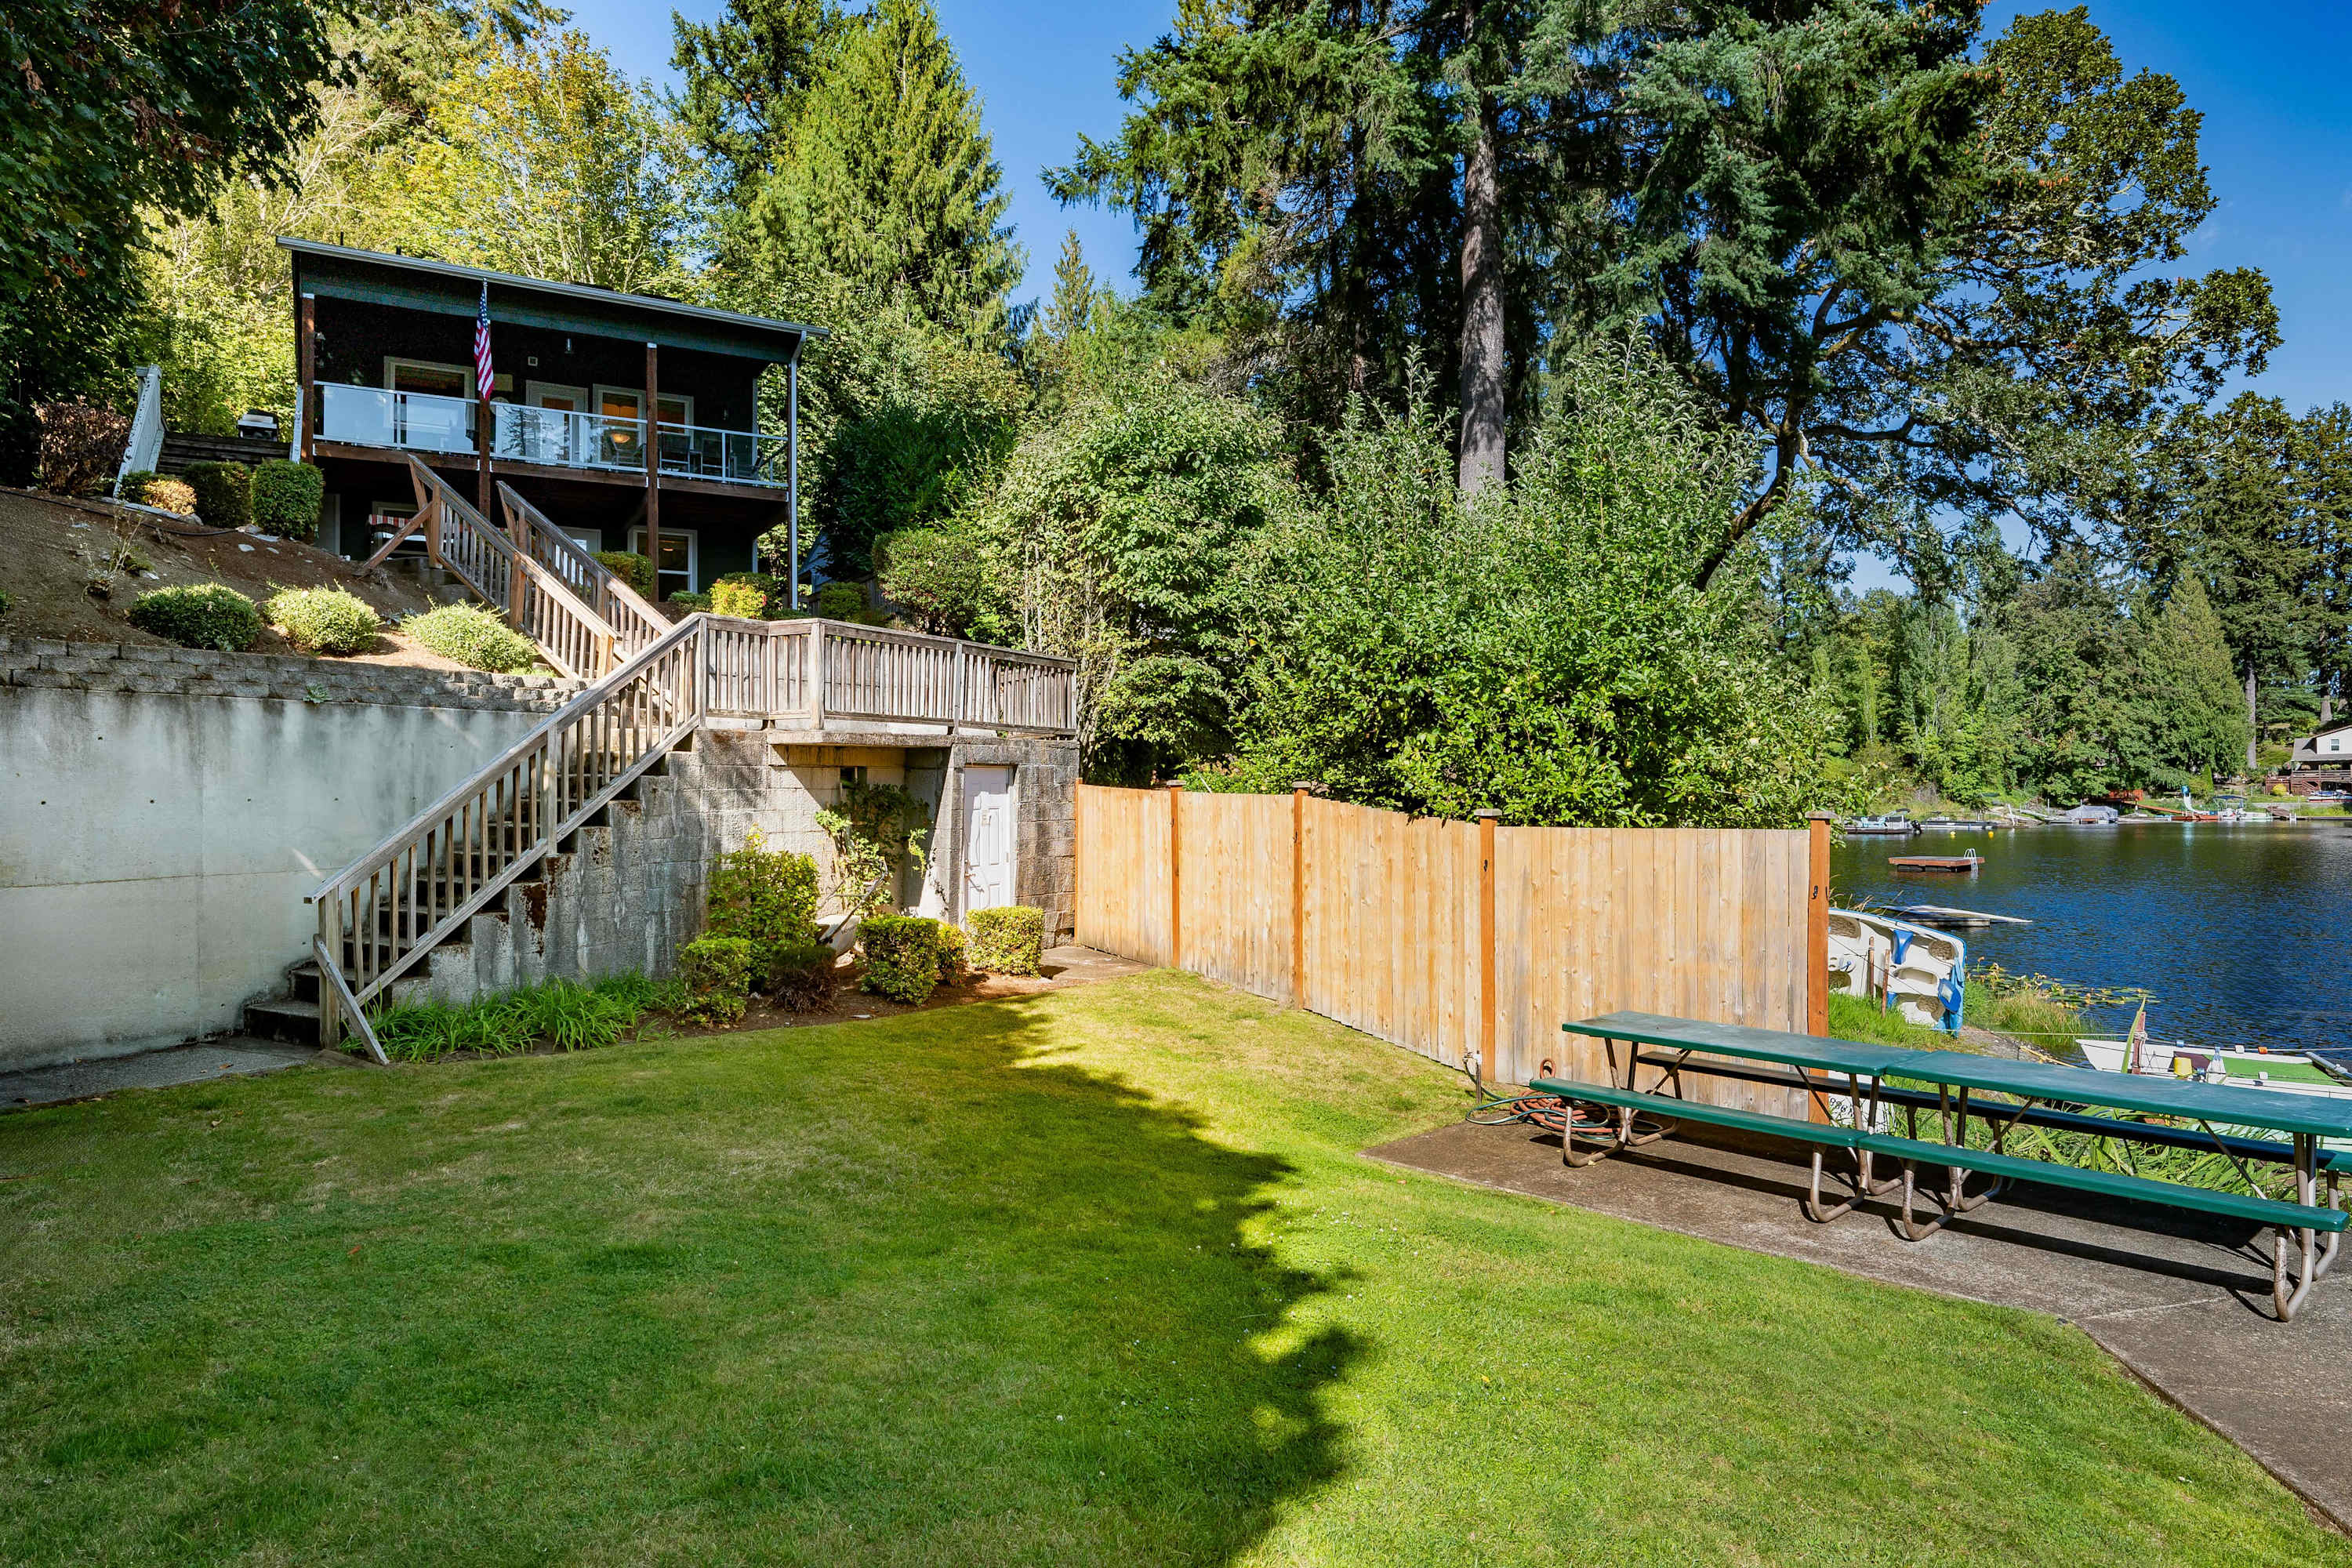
<point>801,975</point>
<point>630,568</point>
<point>209,615</point>
<point>287,498</point>
<point>1008,941</point>
<point>224,493</point>
<point>718,971</point>
<point>322,620</point>
<point>473,636</point>
<point>745,601</point>
<point>81,445</point>
<point>685,602</point>
<point>902,956</point>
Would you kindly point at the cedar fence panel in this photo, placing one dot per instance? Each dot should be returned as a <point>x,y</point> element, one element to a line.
<point>1235,851</point>
<point>1123,895</point>
<point>1695,923</point>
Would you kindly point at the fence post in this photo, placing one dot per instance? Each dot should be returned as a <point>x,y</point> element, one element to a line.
<point>1175,876</point>
<point>1817,925</point>
<point>1298,792</point>
<point>1486,820</point>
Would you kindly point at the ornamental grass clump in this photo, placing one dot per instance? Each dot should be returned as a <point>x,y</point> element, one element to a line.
<point>902,956</point>
<point>322,620</point>
<point>473,636</point>
<point>1010,941</point>
<point>718,972</point>
<point>205,614</point>
<point>563,1014</point>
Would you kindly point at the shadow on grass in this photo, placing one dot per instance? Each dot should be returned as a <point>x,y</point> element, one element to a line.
<point>877,1293</point>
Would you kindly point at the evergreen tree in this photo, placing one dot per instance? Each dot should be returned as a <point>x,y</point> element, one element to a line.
<point>883,180</point>
<point>1072,304</point>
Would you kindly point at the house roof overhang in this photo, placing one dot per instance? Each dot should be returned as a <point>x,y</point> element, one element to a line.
<point>446,288</point>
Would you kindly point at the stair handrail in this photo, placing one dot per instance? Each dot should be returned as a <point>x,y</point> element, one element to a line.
<point>512,811</point>
<point>636,621</point>
<point>578,641</point>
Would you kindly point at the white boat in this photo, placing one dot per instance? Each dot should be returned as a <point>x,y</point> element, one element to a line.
<point>2290,1070</point>
<point>1921,973</point>
<point>1894,823</point>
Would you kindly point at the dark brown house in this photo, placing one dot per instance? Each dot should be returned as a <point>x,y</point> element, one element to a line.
<point>385,350</point>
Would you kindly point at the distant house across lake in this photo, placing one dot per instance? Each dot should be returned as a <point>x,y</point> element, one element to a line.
<point>2321,761</point>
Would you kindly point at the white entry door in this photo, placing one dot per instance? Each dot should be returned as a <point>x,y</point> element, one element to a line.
<point>987,838</point>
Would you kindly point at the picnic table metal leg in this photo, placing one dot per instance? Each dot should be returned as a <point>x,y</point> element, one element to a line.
<point>2305,1239</point>
<point>1912,1229</point>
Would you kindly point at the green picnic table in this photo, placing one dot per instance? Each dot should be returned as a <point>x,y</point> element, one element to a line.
<point>2028,1093</point>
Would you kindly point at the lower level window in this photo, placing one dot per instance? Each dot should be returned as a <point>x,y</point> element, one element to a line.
<point>674,572</point>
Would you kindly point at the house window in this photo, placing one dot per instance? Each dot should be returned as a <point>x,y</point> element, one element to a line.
<point>2335,743</point>
<point>674,572</point>
<point>427,375</point>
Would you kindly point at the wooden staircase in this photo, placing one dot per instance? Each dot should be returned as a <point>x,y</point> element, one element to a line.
<point>485,845</point>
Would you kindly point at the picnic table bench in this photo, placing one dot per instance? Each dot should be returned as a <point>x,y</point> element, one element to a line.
<point>1954,1085</point>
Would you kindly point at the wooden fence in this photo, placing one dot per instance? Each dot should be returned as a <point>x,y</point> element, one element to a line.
<point>1464,940</point>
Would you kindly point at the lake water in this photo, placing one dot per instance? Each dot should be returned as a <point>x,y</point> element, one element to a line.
<point>2238,928</point>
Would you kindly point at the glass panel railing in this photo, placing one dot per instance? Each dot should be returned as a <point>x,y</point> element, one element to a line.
<point>562,438</point>
<point>373,416</point>
<point>736,456</point>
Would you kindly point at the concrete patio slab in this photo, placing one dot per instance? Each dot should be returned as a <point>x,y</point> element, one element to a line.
<point>151,1069</point>
<point>2180,1299</point>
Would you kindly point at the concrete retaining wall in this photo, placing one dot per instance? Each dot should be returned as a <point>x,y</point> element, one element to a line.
<point>155,846</point>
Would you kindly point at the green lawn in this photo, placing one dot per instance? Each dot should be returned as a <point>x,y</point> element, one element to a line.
<point>1095,1278</point>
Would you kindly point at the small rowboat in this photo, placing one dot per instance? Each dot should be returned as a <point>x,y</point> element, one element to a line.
<point>1967,920</point>
<point>1935,862</point>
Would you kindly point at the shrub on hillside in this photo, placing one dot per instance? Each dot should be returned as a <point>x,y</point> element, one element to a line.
<point>322,620</point>
<point>133,485</point>
<point>287,498</point>
<point>718,971</point>
<point>840,601</point>
<point>473,636</point>
<point>208,615</point>
<point>630,568</point>
<point>171,495</point>
<point>902,956</point>
<point>755,596</point>
<point>801,975</point>
<point>224,493</point>
<point>1008,941</point>
<point>82,447</point>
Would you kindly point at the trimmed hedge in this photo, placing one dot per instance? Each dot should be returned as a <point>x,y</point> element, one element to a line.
<point>322,620</point>
<point>685,602</point>
<point>952,964</point>
<point>902,956</point>
<point>801,975</point>
<point>473,637</point>
<point>209,615</point>
<point>287,498</point>
<point>630,568</point>
<point>718,971</point>
<point>1009,941</point>
<point>224,493</point>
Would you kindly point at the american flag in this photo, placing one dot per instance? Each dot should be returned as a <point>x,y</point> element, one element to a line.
<point>483,379</point>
